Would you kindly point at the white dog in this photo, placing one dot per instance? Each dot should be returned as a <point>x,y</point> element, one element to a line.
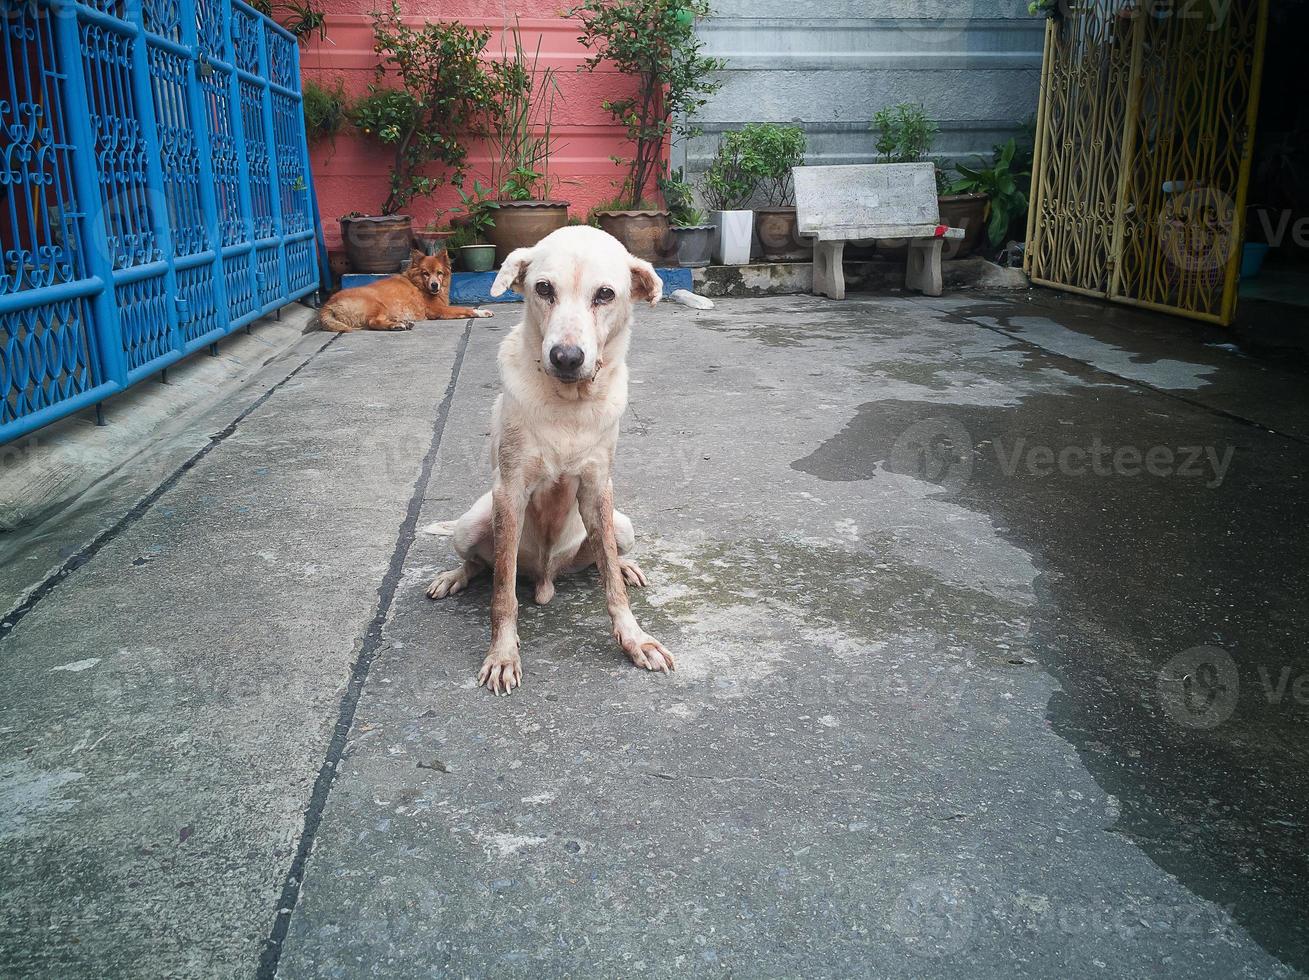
<point>554,431</point>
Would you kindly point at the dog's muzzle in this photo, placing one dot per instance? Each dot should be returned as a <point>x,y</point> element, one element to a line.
<point>566,362</point>
<point>434,288</point>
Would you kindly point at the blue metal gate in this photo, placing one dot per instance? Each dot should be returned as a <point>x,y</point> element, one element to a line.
<point>154,191</point>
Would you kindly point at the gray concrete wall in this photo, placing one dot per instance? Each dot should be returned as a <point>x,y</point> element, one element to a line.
<point>973,65</point>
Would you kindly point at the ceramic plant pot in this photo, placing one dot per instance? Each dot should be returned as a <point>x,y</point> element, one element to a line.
<point>646,234</point>
<point>377,243</point>
<point>477,258</point>
<point>966,211</point>
<point>431,242</point>
<point>779,238</point>
<point>695,245</point>
<point>521,224</point>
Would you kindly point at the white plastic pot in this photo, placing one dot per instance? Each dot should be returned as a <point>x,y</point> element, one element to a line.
<point>735,232</point>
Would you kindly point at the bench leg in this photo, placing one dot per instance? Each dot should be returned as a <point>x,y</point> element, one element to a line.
<point>923,269</point>
<point>829,277</point>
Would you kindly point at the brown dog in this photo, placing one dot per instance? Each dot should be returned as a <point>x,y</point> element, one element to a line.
<point>420,293</point>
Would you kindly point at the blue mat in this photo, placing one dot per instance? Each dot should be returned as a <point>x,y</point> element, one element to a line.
<point>474,288</point>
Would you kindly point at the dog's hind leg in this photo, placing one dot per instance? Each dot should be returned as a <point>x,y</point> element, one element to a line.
<point>625,536</point>
<point>329,319</point>
<point>455,580</point>
<point>472,539</point>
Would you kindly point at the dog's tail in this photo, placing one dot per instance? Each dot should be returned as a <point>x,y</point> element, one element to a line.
<point>441,528</point>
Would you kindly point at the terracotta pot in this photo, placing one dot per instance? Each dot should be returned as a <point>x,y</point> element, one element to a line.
<point>966,211</point>
<point>695,245</point>
<point>431,242</point>
<point>646,234</point>
<point>780,241</point>
<point>521,224</point>
<point>377,243</point>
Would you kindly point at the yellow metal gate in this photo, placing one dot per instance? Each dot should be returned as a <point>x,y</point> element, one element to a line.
<point>1143,140</point>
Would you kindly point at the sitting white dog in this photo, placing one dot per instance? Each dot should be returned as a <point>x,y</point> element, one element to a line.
<point>554,430</point>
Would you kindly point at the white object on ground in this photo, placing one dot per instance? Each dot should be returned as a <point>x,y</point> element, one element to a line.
<point>688,298</point>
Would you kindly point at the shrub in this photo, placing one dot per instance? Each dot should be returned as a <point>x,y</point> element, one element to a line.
<point>522,140</point>
<point>769,151</point>
<point>905,134</point>
<point>653,41</point>
<point>729,182</point>
<point>445,93</point>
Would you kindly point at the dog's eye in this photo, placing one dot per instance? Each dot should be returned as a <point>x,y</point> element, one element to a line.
<point>603,295</point>
<point>545,290</point>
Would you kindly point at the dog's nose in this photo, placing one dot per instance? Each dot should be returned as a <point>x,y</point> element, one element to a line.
<point>566,357</point>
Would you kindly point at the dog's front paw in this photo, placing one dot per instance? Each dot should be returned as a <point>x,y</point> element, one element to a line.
<point>501,672</point>
<point>479,312</point>
<point>643,649</point>
<point>403,325</point>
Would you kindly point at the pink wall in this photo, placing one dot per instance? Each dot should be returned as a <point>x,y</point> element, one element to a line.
<point>353,174</point>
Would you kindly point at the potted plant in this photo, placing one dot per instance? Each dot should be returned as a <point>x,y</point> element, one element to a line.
<point>654,42</point>
<point>470,241</point>
<point>770,151</point>
<point>694,236</point>
<point>445,92</point>
<point>729,183</point>
<point>998,185</point>
<point>521,143</point>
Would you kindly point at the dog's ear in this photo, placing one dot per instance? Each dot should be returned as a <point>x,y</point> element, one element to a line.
<point>416,255</point>
<point>512,272</point>
<point>646,283</point>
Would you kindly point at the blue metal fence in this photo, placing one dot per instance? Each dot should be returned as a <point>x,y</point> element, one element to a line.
<point>154,191</point>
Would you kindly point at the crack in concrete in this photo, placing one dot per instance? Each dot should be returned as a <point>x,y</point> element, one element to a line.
<point>370,647</point>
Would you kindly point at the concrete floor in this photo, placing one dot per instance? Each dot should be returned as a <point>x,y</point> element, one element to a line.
<point>989,616</point>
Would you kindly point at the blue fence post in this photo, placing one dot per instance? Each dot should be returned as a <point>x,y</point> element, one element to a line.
<point>274,163</point>
<point>144,97</point>
<point>238,138</point>
<point>105,325</point>
<point>320,243</point>
<point>208,190</point>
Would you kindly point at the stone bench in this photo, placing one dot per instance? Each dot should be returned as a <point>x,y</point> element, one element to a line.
<point>857,203</point>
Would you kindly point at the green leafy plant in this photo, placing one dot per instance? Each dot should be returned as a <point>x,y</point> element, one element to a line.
<point>653,41</point>
<point>464,236</point>
<point>301,17</point>
<point>680,199</point>
<point>521,139</point>
<point>325,110</point>
<point>445,92</point>
<point>730,180</point>
<point>769,151</point>
<point>904,134</point>
<point>1000,182</point>
<point>478,208</point>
